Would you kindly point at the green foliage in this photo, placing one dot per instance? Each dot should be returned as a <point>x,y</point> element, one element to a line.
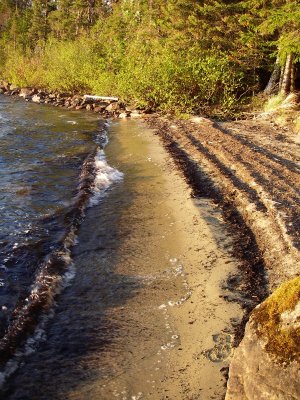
<point>282,21</point>
<point>69,66</point>
<point>177,55</point>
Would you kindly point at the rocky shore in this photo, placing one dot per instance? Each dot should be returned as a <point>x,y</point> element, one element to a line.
<point>108,107</point>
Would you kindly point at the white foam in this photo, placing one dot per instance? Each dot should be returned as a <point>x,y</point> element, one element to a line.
<point>105,177</point>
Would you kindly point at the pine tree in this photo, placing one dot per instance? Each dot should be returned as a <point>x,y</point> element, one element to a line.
<point>282,22</point>
<point>40,27</point>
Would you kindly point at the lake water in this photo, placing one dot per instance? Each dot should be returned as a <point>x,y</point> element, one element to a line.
<point>52,168</point>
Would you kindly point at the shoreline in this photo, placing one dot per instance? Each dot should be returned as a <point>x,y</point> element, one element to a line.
<point>261,241</point>
<point>158,319</point>
<point>106,107</point>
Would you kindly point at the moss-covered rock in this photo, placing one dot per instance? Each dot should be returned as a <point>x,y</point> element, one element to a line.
<point>277,321</point>
<point>266,364</point>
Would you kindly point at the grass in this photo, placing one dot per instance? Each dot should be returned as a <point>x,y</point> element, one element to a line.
<point>282,341</point>
<point>273,103</point>
<point>297,124</point>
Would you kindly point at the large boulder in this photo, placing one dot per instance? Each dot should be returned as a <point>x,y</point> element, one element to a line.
<point>266,365</point>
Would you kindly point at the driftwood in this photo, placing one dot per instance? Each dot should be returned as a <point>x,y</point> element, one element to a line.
<point>101,98</point>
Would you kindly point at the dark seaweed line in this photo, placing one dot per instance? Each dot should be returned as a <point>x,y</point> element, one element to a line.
<point>251,193</point>
<point>252,268</point>
<point>275,158</point>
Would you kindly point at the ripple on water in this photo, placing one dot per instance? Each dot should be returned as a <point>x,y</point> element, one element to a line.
<point>43,196</point>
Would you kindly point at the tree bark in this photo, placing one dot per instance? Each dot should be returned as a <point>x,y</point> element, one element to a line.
<point>288,75</point>
<point>273,84</point>
<point>293,78</point>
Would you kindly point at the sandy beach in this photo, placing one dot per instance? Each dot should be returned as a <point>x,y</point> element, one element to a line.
<point>178,338</point>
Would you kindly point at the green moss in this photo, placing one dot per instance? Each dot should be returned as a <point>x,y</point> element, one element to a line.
<point>282,341</point>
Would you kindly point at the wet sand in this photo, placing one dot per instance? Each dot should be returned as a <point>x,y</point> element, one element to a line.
<point>145,317</point>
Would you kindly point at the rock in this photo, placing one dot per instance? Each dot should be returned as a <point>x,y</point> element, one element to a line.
<point>99,109</point>
<point>27,92</point>
<point>2,91</point>
<point>15,92</point>
<point>109,107</point>
<point>13,88</point>
<point>76,100</point>
<point>113,107</point>
<point>42,94</point>
<point>5,86</point>
<point>64,95</point>
<point>201,120</point>
<point>89,107</point>
<point>266,365</point>
<point>60,102</point>
<point>36,98</point>
<point>122,106</point>
<point>80,107</point>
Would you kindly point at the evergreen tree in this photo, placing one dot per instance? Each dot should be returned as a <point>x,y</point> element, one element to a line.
<point>281,25</point>
<point>40,27</point>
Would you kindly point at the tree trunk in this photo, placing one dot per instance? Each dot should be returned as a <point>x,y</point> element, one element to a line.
<point>288,75</point>
<point>273,84</point>
<point>91,11</point>
<point>293,78</point>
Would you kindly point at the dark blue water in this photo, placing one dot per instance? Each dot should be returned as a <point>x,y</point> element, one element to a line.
<point>47,172</point>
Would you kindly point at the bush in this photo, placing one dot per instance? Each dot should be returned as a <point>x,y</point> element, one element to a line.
<point>145,69</point>
<point>156,75</point>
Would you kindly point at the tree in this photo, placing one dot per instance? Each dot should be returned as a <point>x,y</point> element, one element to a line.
<point>40,27</point>
<point>283,23</point>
